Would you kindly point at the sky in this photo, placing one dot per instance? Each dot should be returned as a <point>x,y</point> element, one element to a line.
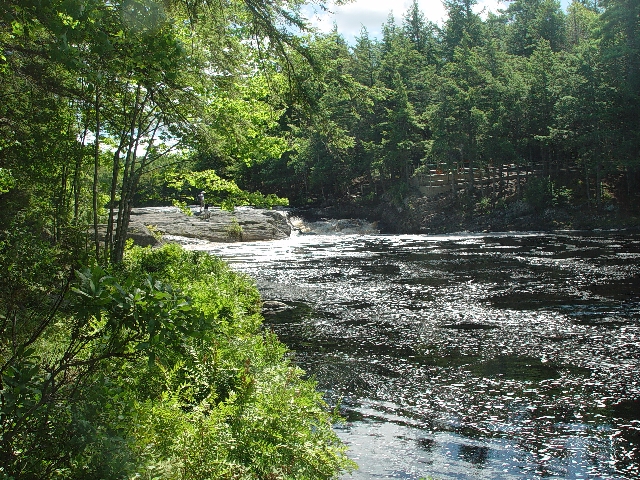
<point>373,13</point>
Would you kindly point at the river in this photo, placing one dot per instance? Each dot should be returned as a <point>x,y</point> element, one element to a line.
<point>469,356</point>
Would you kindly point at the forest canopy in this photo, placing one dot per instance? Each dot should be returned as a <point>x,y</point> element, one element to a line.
<point>532,89</point>
<point>118,362</point>
<point>122,362</point>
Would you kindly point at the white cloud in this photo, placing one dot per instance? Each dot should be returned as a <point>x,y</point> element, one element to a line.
<point>373,13</point>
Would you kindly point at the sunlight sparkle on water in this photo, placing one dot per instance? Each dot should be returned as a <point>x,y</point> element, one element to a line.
<point>492,356</point>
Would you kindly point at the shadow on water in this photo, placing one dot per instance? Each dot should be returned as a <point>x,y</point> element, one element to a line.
<point>427,444</point>
<point>620,289</point>
<point>293,313</point>
<point>473,454</point>
<point>516,368</point>
<point>627,410</point>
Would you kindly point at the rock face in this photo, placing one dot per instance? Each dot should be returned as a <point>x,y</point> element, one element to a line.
<point>149,224</point>
<point>272,307</point>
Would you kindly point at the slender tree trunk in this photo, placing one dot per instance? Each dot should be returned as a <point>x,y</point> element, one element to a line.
<point>96,178</point>
<point>454,186</point>
<point>115,173</point>
<point>61,208</point>
<point>131,178</point>
<point>130,139</point>
<point>588,187</point>
<point>598,186</point>
<point>76,177</point>
<point>124,206</point>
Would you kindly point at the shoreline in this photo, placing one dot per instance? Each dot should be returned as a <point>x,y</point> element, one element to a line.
<point>443,215</point>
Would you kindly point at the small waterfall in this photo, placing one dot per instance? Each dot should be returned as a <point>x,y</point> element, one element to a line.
<point>332,226</point>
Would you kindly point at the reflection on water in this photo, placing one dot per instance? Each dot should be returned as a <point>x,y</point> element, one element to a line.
<point>466,356</point>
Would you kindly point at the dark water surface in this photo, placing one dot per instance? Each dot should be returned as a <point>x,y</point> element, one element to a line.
<point>490,356</point>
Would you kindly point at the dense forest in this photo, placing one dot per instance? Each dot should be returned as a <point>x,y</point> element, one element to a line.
<point>532,90</point>
<point>118,361</point>
<point>121,362</point>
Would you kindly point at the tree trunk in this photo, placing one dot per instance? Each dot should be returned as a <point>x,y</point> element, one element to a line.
<point>96,178</point>
<point>61,208</point>
<point>586,183</point>
<point>130,138</point>
<point>76,177</point>
<point>454,182</point>
<point>131,179</point>
<point>598,186</point>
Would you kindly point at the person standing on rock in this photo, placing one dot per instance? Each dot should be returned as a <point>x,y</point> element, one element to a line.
<point>201,199</point>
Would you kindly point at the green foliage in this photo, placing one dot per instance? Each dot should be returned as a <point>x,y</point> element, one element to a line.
<point>484,205</point>
<point>220,192</point>
<point>533,20</point>
<point>234,230</point>
<point>159,369</point>
<point>184,208</point>
<point>243,124</point>
<point>397,194</point>
<point>250,411</point>
<point>7,182</point>
<point>542,193</point>
<point>539,193</point>
<point>529,86</point>
<point>272,424</point>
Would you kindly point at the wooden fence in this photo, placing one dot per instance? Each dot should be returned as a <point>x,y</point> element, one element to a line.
<point>435,182</point>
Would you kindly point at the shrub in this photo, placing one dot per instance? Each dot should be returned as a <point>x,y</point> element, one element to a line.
<point>484,205</point>
<point>158,369</point>
<point>542,193</point>
<point>237,406</point>
<point>234,230</point>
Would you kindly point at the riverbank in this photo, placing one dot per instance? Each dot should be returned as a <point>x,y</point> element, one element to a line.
<point>149,225</point>
<point>417,215</point>
<point>448,214</point>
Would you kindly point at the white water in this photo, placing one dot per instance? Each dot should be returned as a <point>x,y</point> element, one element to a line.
<point>491,356</point>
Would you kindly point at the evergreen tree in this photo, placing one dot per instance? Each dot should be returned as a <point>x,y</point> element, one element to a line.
<point>531,21</point>
<point>461,24</point>
<point>365,59</point>
<point>400,147</point>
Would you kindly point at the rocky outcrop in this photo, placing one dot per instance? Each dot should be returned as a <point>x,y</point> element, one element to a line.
<point>149,225</point>
<point>273,307</point>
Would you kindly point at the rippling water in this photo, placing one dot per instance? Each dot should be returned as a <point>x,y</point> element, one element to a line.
<point>466,356</point>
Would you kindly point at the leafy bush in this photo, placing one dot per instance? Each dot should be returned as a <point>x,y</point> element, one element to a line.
<point>234,230</point>
<point>484,205</point>
<point>242,410</point>
<point>7,182</point>
<point>220,192</point>
<point>159,369</point>
<point>542,193</point>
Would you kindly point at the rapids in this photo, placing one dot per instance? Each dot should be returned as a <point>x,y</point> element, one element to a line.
<point>494,356</point>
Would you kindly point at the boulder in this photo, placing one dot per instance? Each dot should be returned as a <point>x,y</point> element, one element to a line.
<point>244,224</point>
<point>272,307</point>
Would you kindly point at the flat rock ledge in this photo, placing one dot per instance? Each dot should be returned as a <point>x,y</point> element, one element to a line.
<point>149,225</point>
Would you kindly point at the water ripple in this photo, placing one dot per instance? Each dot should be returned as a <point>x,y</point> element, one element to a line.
<point>466,356</point>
